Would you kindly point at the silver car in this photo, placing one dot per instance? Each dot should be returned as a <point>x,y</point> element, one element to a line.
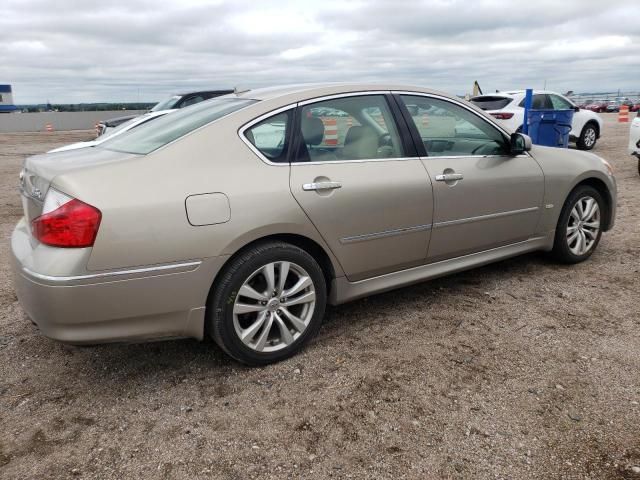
<point>241,217</point>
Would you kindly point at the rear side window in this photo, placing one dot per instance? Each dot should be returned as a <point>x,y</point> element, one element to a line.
<point>269,137</point>
<point>491,103</point>
<point>153,135</point>
<point>348,128</point>
<point>540,102</point>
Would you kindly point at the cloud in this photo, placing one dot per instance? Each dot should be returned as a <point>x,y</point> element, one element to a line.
<point>75,51</point>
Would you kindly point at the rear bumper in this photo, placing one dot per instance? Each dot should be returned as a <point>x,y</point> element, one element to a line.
<point>145,303</point>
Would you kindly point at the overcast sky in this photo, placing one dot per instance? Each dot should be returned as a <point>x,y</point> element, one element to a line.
<point>83,51</point>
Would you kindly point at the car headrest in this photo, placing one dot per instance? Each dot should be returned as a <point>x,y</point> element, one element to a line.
<point>361,142</point>
<point>312,130</point>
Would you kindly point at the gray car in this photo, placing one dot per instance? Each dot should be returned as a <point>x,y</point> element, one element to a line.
<point>241,217</point>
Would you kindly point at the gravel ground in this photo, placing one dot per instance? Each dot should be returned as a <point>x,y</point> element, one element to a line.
<point>523,369</point>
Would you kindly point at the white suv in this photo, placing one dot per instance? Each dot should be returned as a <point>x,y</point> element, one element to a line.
<point>634,138</point>
<point>508,108</point>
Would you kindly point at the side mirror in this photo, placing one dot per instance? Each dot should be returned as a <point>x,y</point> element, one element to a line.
<point>520,143</point>
<point>576,109</point>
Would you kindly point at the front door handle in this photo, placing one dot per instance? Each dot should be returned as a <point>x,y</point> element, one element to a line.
<point>321,186</point>
<point>449,177</point>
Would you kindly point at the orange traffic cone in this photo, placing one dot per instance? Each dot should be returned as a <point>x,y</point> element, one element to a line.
<point>49,127</point>
<point>623,114</point>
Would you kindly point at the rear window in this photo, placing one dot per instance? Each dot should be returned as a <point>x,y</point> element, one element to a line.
<point>153,135</point>
<point>491,103</point>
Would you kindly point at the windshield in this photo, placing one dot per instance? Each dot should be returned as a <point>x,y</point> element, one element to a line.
<point>167,104</point>
<point>153,135</point>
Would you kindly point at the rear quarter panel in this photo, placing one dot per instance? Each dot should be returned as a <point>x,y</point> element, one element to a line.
<point>142,201</point>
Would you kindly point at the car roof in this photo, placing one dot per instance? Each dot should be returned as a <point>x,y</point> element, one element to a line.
<point>515,93</point>
<point>221,92</point>
<point>301,92</point>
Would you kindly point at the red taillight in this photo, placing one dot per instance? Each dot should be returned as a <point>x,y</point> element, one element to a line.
<point>502,116</point>
<point>73,224</point>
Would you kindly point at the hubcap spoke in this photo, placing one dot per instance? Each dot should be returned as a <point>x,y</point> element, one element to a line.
<point>572,237</point>
<point>269,275</point>
<point>575,215</point>
<point>264,335</point>
<point>250,292</point>
<point>298,324</point>
<point>250,332</point>
<point>305,298</point>
<point>589,209</point>
<point>590,234</point>
<point>285,334</point>
<point>303,283</point>
<point>284,273</point>
<point>240,308</point>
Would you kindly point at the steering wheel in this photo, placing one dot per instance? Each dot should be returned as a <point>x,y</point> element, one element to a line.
<point>480,147</point>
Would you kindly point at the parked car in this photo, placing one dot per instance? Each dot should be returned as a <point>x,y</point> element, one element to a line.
<point>172,103</point>
<point>634,138</point>
<point>135,122</point>
<point>508,108</point>
<point>635,107</point>
<point>598,106</point>
<point>613,106</point>
<point>216,221</point>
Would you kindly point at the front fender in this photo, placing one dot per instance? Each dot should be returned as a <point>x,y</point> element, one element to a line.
<point>563,170</point>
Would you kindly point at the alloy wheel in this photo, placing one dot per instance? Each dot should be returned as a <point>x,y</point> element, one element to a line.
<point>274,306</point>
<point>589,137</point>
<point>583,225</point>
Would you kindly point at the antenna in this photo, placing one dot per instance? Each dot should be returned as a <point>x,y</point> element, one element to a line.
<point>239,90</point>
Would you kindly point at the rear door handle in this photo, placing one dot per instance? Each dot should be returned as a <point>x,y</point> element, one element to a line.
<point>449,177</point>
<point>321,186</point>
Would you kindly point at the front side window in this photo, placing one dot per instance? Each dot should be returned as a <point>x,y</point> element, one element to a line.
<point>348,128</point>
<point>153,135</point>
<point>447,129</point>
<point>560,103</point>
<point>270,137</point>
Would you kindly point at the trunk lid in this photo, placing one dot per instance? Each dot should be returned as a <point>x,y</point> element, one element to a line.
<point>39,171</point>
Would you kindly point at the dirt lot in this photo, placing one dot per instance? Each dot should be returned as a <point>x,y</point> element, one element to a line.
<point>523,369</point>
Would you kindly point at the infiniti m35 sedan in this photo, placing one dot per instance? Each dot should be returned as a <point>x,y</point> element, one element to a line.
<point>241,217</point>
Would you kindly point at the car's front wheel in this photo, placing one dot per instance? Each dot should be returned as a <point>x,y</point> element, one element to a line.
<point>267,304</point>
<point>588,137</point>
<point>580,225</point>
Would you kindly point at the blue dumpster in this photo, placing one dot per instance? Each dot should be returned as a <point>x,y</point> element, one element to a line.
<point>550,127</point>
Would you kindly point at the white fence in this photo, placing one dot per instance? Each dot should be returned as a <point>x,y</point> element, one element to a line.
<point>37,122</point>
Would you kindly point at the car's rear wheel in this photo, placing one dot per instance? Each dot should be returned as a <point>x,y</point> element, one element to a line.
<point>588,137</point>
<point>267,304</point>
<point>580,225</point>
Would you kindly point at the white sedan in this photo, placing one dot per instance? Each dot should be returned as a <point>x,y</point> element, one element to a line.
<point>508,108</point>
<point>119,130</point>
<point>634,138</point>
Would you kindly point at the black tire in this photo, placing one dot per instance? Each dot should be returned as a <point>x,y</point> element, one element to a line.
<point>588,137</point>
<point>561,250</point>
<point>220,306</point>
